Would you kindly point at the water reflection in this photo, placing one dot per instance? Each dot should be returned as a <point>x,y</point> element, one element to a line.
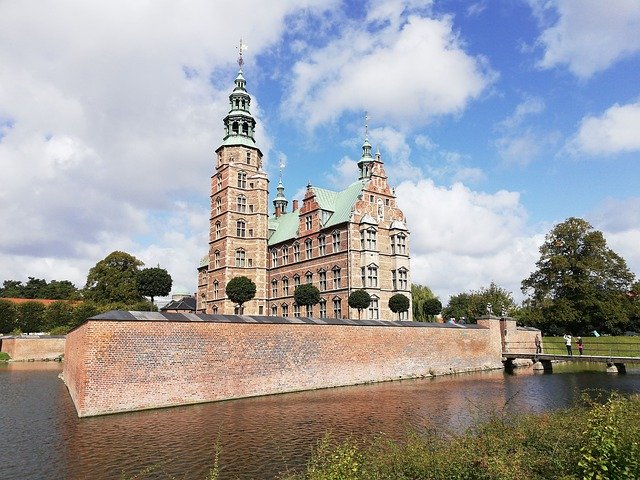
<point>260,437</point>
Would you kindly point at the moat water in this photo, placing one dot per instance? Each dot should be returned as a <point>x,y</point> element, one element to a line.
<point>42,438</point>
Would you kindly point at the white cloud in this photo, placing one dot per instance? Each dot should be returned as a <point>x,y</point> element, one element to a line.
<point>588,36</point>
<point>615,131</point>
<point>108,121</point>
<point>530,106</point>
<point>405,72</point>
<point>462,240</point>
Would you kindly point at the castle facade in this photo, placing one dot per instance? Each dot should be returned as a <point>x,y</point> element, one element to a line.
<point>339,241</point>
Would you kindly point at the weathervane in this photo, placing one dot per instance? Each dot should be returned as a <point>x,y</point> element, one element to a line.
<point>241,49</point>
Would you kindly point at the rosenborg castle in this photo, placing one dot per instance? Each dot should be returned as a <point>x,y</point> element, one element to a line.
<point>339,241</point>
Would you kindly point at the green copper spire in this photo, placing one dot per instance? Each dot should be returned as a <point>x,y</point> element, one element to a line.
<point>280,201</point>
<point>366,160</point>
<point>239,124</point>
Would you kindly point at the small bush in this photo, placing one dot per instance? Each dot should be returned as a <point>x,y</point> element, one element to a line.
<point>4,357</point>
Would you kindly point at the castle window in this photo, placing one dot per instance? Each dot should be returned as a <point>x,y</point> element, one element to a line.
<point>309,310</point>
<point>285,286</point>
<point>323,308</point>
<point>403,279</point>
<point>336,241</point>
<point>217,229</point>
<point>337,307</point>
<point>370,276</point>
<point>216,259</point>
<point>248,158</point>
<point>371,198</point>
<point>274,310</point>
<point>245,129</point>
<point>374,310</point>
<point>242,180</point>
<point>296,310</point>
<point>234,127</point>
<point>251,233</point>
<point>336,278</point>
<point>218,206</point>
<point>323,280</point>
<point>250,208</point>
<point>322,248</point>
<point>220,178</point>
<point>285,255</point>
<point>308,244</point>
<point>215,289</point>
<point>240,258</point>
<point>296,252</point>
<point>274,258</point>
<point>394,279</point>
<point>308,277</point>
<point>241,203</point>
<point>308,222</point>
<point>296,280</point>
<point>240,228</point>
<point>274,288</point>
<point>368,240</point>
<point>285,310</point>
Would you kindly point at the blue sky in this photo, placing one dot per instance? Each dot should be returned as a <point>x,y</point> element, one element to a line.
<point>495,120</point>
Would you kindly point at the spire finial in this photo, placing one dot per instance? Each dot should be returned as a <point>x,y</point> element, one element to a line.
<point>241,48</point>
<point>282,165</point>
<point>366,125</point>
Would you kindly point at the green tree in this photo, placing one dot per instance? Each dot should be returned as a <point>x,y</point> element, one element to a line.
<point>113,279</point>
<point>306,295</point>
<point>58,314</point>
<point>82,311</point>
<point>359,299</point>
<point>8,316</point>
<point>419,295</point>
<point>12,289</point>
<point>35,288</point>
<point>580,281</point>
<point>431,307</point>
<point>31,317</point>
<point>61,290</point>
<point>399,303</point>
<point>240,290</point>
<point>154,282</point>
<point>471,305</point>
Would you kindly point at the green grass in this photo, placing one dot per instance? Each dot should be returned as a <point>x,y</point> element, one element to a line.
<point>590,441</point>
<point>603,346</point>
<point>4,357</point>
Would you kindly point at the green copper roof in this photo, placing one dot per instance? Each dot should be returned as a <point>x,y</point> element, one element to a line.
<point>339,203</point>
<point>234,140</point>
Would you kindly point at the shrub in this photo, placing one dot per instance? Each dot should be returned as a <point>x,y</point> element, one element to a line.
<point>8,316</point>
<point>31,317</point>
<point>4,357</point>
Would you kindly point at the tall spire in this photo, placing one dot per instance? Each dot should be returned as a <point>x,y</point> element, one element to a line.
<point>280,202</point>
<point>365,161</point>
<point>239,124</point>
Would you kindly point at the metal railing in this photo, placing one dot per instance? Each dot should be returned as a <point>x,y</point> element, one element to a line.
<point>596,346</point>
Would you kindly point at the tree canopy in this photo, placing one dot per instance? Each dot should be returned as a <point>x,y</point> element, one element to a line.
<point>114,279</point>
<point>240,290</point>
<point>154,282</point>
<point>399,303</point>
<point>306,294</point>
<point>579,284</point>
<point>419,295</point>
<point>471,305</point>
<point>37,288</point>
<point>431,307</point>
<point>359,299</point>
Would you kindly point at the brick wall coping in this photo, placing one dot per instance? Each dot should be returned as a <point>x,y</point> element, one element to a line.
<point>128,316</point>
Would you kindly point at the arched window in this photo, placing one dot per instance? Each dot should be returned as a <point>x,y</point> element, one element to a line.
<point>296,280</point>
<point>215,289</point>
<point>337,280</point>
<point>241,203</point>
<point>285,310</point>
<point>370,276</point>
<point>241,228</point>
<point>296,252</point>
<point>218,229</point>
<point>218,206</point>
<point>240,257</point>
<point>242,180</point>
<point>274,258</point>
<point>219,181</point>
<point>216,259</point>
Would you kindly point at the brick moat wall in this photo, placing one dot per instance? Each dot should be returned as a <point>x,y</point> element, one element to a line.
<point>117,366</point>
<point>33,348</point>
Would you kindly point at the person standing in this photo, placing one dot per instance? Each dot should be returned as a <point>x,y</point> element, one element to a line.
<point>567,342</point>
<point>579,342</point>
<point>538,344</point>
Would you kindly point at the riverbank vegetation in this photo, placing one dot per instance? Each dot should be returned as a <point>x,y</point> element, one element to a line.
<point>593,440</point>
<point>616,346</point>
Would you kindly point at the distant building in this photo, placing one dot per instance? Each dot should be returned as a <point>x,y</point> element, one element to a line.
<point>181,305</point>
<point>340,241</point>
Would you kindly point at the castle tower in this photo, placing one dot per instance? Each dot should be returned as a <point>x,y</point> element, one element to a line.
<point>239,211</point>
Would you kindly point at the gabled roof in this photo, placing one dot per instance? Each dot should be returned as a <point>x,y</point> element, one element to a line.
<point>185,304</point>
<point>338,204</point>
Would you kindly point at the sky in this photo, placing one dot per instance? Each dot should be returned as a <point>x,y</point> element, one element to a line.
<point>496,120</point>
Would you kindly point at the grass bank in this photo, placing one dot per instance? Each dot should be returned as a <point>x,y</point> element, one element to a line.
<point>590,441</point>
<point>615,346</point>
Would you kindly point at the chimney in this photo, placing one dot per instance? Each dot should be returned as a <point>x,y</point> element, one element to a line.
<point>295,205</point>
<point>278,212</point>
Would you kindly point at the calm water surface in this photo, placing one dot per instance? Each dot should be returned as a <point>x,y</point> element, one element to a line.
<point>42,438</point>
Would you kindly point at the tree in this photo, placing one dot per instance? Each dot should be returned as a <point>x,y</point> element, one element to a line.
<point>113,279</point>
<point>8,316</point>
<point>431,307</point>
<point>58,314</point>
<point>31,317</point>
<point>359,299</point>
<point>399,303</point>
<point>240,290</point>
<point>12,289</point>
<point>82,311</point>
<point>306,295</point>
<point>473,304</point>
<point>154,282</point>
<point>419,295</point>
<point>61,290</point>
<point>580,284</point>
